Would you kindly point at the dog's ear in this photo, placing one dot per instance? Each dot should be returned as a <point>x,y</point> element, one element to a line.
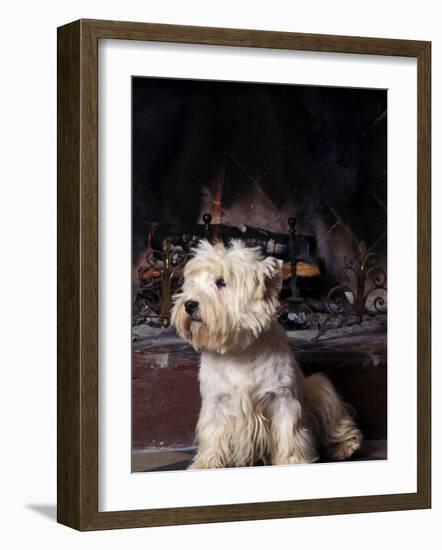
<point>272,268</point>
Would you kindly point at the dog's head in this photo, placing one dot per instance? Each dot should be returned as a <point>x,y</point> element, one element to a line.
<point>229,296</point>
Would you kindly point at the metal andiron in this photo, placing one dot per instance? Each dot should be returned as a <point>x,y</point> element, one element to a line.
<point>158,281</point>
<point>294,312</point>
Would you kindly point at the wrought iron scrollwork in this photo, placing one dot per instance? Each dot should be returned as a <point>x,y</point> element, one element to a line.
<point>361,288</point>
<point>159,278</point>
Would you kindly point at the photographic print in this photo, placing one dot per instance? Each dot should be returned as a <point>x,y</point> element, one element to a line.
<point>259,325</point>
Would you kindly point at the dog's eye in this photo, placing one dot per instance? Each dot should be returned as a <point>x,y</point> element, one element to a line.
<point>220,282</point>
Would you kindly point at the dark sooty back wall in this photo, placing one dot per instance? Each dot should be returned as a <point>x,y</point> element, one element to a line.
<point>316,152</point>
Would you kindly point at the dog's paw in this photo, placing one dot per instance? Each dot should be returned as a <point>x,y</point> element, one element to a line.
<point>194,466</point>
<point>297,459</point>
<point>204,464</point>
<point>345,449</point>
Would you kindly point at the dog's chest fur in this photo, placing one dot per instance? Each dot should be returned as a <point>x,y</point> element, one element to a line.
<point>240,389</point>
<point>267,365</point>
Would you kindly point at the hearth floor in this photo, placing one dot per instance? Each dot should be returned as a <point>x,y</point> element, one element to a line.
<point>160,460</point>
<point>167,402</point>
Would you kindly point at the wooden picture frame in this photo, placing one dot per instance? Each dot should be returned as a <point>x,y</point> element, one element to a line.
<point>78,274</point>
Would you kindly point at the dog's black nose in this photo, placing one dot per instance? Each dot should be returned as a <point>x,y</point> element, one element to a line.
<point>190,306</point>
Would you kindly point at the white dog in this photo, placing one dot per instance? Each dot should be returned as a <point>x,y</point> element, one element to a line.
<point>256,403</point>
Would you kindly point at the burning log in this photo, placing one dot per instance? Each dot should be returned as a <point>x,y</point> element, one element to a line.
<point>303,269</point>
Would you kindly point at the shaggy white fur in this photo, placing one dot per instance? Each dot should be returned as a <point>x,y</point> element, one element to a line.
<point>256,403</point>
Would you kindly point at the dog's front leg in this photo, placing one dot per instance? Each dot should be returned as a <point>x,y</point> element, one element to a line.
<point>213,433</point>
<point>291,442</point>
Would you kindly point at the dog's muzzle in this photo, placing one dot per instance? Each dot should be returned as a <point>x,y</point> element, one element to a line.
<point>191,307</point>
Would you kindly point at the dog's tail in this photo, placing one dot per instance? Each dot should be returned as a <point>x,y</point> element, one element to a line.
<point>332,419</point>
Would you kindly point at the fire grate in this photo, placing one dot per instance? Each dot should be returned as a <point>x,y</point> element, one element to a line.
<point>359,292</point>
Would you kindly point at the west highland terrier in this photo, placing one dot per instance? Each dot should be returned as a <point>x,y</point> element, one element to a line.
<point>257,406</point>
